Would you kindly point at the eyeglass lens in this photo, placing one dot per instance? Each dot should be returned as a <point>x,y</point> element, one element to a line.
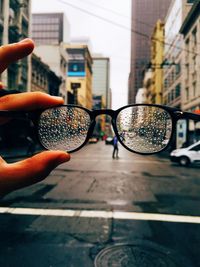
<point>63,128</point>
<point>144,129</point>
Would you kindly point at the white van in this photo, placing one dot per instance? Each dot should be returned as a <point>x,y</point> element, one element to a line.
<point>187,155</point>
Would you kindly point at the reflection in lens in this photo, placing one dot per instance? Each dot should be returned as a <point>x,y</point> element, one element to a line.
<point>144,129</point>
<point>63,128</point>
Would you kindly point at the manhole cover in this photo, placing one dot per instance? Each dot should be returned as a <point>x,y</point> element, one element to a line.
<point>138,256</point>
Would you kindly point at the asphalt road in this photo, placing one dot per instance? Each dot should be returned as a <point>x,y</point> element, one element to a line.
<point>98,211</point>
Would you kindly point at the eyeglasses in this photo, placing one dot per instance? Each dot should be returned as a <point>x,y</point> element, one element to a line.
<point>140,128</point>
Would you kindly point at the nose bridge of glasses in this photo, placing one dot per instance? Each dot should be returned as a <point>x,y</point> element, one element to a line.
<point>98,112</point>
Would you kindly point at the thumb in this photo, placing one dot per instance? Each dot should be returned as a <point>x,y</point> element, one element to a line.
<point>29,171</point>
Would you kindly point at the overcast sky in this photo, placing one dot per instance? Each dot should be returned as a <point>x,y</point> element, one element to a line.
<point>106,37</point>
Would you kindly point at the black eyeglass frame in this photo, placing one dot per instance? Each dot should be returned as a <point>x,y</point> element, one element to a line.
<point>175,114</point>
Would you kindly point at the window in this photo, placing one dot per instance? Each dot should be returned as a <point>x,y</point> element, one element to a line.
<point>194,62</point>
<point>1,7</point>
<point>165,84</point>
<point>178,90</point>
<point>172,95</point>
<point>168,98</point>
<point>187,48</point>
<point>178,69</point>
<point>187,71</point>
<point>187,94</point>
<point>194,36</point>
<point>165,100</point>
<point>172,76</point>
<point>195,148</point>
<point>194,89</point>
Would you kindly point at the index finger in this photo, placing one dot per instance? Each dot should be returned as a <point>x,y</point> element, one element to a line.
<point>12,52</point>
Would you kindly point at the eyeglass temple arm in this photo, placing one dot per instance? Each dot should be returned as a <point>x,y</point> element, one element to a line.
<point>15,114</point>
<point>190,116</point>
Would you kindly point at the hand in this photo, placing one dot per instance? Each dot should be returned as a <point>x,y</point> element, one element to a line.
<point>32,170</point>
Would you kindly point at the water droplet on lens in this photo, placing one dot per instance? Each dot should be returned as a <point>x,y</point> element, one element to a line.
<point>63,128</point>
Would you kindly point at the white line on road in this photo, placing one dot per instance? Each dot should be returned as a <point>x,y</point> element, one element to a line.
<point>120,215</point>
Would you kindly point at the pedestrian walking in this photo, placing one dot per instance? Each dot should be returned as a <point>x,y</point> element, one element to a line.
<point>115,148</point>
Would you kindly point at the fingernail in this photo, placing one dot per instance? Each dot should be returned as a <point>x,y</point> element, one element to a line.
<point>58,98</point>
<point>24,40</point>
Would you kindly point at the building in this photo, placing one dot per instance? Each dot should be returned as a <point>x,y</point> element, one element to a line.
<point>50,28</point>
<point>145,13</point>
<point>101,78</point>
<point>190,96</point>
<point>191,59</point>
<point>82,40</point>
<point>15,26</point>
<point>56,58</point>
<point>79,81</point>
<point>99,103</point>
<point>43,78</point>
<point>141,96</point>
<point>157,58</point>
<point>173,64</point>
<point>147,84</point>
<point>49,32</point>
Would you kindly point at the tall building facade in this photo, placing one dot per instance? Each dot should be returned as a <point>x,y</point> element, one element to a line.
<point>43,78</point>
<point>101,78</point>
<point>14,26</point>
<point>57,58</point>
<point>79,81</point>
<point>157,58</point>
<point>173,53</point>
<point>50,28</point>
<point>145,13</point>
<point>191,59</point>
<point>174,66</point>
<point>191,73</point>
<point>49,32</point>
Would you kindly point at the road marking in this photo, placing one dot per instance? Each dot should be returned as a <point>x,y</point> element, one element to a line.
<point>120,215</point>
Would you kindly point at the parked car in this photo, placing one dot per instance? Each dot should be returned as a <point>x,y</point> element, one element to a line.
<point>93,140</point>
<point>109,140</point>
<point>187,155</point>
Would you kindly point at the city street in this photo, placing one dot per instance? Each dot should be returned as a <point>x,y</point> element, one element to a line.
<point>98,211</point>
<point>126,72</point>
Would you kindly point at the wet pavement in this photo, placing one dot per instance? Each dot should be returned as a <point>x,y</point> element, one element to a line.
<point>93,182</point>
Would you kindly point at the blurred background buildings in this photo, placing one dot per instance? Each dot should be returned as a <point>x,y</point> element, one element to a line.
<point>145,13</point>
<point>171,76</point>
<point>165,57</point>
